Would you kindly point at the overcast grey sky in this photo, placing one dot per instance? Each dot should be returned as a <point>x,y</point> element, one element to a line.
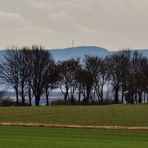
<point>113,24</point>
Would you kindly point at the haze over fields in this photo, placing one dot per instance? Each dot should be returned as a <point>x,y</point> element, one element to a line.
<point>80,51</point>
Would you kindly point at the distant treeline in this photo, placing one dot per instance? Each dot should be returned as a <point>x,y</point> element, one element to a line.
<point>32,73</point>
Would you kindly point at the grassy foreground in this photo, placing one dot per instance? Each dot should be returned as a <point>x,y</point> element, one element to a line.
<point>37,137</point>
<point>121,115</point>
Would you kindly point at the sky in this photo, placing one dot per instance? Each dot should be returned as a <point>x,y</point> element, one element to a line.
<point>113,24</point>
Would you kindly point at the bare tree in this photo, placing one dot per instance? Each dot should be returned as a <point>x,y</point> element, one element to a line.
<point>115,74</point>
<point>138,65</point>
<point>51,80</point>
<point>98,68</point>
<point>85,84</point>
<point>23,63</point>
<point>27,56</point>
<point>41,65</point>
<point>125,59</point>
<point>9,73</point>
<point>67,72</point>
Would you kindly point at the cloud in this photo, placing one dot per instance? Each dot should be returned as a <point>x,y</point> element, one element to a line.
<point>39,4</point>
<point>113,24</point>
<point>84,28</point>
<point>12,20</point>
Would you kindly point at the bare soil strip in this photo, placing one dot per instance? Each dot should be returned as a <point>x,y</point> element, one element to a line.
<point>70,126</point>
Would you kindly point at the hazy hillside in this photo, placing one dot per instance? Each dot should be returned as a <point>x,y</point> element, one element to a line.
<point>2,53</point>
<point>144,52</point>
<point>61,54</point>
<point>67,53</point>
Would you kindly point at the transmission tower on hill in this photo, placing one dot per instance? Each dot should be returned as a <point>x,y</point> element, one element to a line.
<point>73,43</point>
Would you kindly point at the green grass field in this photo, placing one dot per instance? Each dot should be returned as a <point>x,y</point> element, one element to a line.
<point>38,137</point>
<point>43,137</point>
<point>121,115</point>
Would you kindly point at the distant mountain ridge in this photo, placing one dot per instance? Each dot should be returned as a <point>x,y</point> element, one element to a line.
<point>81,51</point>
<point>144,52</point>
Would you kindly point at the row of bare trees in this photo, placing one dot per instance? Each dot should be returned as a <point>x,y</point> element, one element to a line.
<point>33,73</point>
<point>28,71</point>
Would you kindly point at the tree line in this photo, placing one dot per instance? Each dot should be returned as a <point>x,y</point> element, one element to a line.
<point>33,73</point>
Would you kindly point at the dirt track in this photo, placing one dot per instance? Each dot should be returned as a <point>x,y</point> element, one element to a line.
<point>70,126</point>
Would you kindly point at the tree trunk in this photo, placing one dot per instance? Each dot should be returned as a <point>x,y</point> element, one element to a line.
<point>47,96</point>
<point>144,97</point>
<point>140,97</point>
<point>101,94</point>
<point>116,101</point>
<point>123,90</point>
<point>23,96</point>
<point>122,98</point>
<point>37,100</point>
<point>17,98</point>
<point>136,97</point>
<point>29,95</point>
<point>79,98</point>
<point>87,97</point>
<point>66,95</point>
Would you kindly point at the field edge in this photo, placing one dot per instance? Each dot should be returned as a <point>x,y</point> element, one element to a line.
<point>29,124</point>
